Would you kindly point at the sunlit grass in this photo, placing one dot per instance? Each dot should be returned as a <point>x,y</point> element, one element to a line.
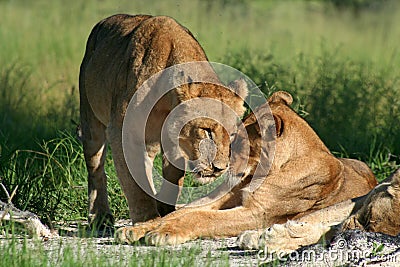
<point>51,36</point>
<point>19,251</point>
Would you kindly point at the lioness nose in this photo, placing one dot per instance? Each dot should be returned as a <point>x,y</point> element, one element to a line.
<point>207,149</point>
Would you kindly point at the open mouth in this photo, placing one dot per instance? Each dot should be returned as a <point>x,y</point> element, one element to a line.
<point>204,173</point>
<point>204,178</point>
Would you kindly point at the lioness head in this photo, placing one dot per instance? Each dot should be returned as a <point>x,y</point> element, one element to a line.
<point>205,140</point>
<point>255,143</point>
<point>380,209</point>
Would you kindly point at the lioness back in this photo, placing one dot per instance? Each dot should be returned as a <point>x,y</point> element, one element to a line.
<point>358,178</point>
<point>132,49</point>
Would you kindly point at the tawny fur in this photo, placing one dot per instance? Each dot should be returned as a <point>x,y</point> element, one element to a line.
<point>123,52</point>
<point>304,177</point>
<point>378,211</point>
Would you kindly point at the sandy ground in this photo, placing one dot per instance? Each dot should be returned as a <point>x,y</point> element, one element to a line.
<point>219,252</point>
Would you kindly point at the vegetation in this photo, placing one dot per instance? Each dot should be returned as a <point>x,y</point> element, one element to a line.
<point>339,59</point>
<point>21,253</point>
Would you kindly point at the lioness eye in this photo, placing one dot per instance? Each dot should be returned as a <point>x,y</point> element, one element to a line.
<point>208,133</point>
<point>232,137</point>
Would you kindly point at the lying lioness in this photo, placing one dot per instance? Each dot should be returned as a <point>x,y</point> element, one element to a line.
<point>378,211</point>
<point>304,177</point>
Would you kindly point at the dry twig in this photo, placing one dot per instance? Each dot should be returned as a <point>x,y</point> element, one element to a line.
<point>28,219</point>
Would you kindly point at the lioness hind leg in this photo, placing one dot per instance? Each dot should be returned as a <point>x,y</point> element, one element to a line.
<point>94,149</point>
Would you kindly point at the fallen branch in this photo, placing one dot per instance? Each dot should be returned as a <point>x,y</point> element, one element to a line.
<point>28,219</point>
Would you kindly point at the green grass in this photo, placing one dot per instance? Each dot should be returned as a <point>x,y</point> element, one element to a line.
<point>347,103</point>
<point>32,252</point>
<point>334,62</point>
<point>342,67</point>
<point>57,187</point>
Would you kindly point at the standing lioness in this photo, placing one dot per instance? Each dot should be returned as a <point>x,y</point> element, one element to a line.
<point>123,52</point>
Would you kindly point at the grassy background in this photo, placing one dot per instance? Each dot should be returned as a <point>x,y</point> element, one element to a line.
<point>341,63</point>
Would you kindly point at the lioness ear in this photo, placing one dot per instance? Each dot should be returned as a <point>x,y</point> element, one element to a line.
<point>281,96</point>
<point>181,81</point>
<point>278,125</point>
<point>396,179</point>
<point>240,87</point>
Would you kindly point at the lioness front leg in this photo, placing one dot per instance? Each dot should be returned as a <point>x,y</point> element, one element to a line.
<point>179,228</point>
<point>141,200</point>
<point>170,189</point>
<point>212,202</point>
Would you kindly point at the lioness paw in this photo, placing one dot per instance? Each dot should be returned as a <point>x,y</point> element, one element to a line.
<point>129,234</point>
<point>352,223</point>
<point>249,239</point>
<point>292,235</point>
<point>163,236</point>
